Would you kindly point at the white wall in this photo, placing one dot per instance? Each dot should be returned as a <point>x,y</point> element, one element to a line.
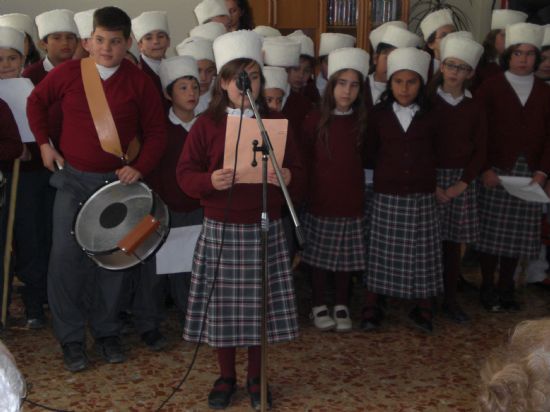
<point>181,18</point>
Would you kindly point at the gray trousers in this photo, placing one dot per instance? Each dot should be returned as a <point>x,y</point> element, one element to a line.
<point>78,289</point>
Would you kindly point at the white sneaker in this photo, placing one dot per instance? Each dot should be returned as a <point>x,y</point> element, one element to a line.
<point>341,318</point>
<point>321,318</point>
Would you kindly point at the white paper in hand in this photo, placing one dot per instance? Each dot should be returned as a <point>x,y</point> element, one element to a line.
<point>176,255</point>
<point>522,188</point>
<point>15,92</point>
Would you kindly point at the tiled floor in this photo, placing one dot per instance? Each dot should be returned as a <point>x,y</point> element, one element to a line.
<point>395,369</point>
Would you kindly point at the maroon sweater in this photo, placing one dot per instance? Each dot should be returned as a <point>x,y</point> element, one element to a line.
<point>10,140</point>
<point>311,92</point>
<point>403,162</point>
<point>134,103</point>
<point>163,178</point>
<point>296,108</point>
<point>485,72</point>
<point>203,154</point>
<point>462,136</point>
<point>156,79</point>
<point>36,73</point>
<point>335,173</point>
<point>516,130</point>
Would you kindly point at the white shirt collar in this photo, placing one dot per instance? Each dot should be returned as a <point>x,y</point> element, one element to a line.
<point>405,114</point>
<point>237,112</point>
<point>522,85</point>
<point>152,63</point>
<point>337,112</point>
<point>106,72</point>
<point>376,88</point>
<point>204,101</point>
<point>177,121</point>
<point>448,97</point>
<point>321,83</point>
<point>47,64</point>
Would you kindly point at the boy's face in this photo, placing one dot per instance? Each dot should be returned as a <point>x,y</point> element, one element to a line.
<point>207,71</point>
<point>60,46</point>
<point>274,99</point>
<point>522,61</point>
<point>108,48</point>
<point>154,44</point>
<point>185,94</point>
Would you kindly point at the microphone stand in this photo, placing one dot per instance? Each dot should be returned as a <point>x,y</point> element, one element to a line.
<point>266,149</point>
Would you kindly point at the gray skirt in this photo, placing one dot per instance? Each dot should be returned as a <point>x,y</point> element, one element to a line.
<point>233,317</point>
<point>404,258</point>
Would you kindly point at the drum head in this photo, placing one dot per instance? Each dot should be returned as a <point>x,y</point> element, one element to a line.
<point>109,214</point>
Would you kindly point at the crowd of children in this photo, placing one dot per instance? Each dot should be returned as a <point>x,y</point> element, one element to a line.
<point>393,160</point>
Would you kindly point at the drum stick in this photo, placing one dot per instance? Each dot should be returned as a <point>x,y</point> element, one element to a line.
<point>9,239</point>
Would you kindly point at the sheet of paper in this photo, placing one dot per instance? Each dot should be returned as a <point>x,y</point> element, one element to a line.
<point>176,254</point>
<point>277,131</point>
<point>15,92</point>
<point>520,187</point>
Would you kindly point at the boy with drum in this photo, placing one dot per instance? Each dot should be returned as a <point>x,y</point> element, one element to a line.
<point>89,160</point>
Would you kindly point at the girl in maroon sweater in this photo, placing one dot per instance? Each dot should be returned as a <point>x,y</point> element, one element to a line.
<point>229,316</point>
<point>518,115</point>
<point>334,220</point>
<point>404,258</point>
<point>461,149</point>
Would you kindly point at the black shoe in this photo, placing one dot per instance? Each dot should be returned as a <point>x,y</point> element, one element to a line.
<point>154,340</point>
<point>220,395</point>
<point>74,356</point>
<point>253,386</point>
<point>490,301</point>
<point>372,318</point>
<point>454,313</point>
<point>36,323</point>
<point>110,349</point>
<point>422,319</point>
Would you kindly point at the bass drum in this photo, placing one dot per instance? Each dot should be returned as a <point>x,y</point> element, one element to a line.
<point>121,225</point>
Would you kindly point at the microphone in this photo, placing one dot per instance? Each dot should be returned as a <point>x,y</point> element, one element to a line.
<point>243,81</point>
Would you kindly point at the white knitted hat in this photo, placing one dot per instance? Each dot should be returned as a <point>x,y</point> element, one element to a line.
<point>150,21</point>
<point>275,78</point>
<point>21,22</point>
<point>211,30</point>
<point>504,17</point>
<point>207,9</point>
<point>307,47</point>
<point>376,35</point>
<point>434,21</point>
<point>398,37</point>
<point>85,22</point>
<point>11,38</point>
<point>55,21</point>
<point>281,52</point>
<point>240,44</point>
<point>528,33</point>
<point>461,48</point>
<point>176,67</point>
<point>196,47</point>
<point>267,31</point>
<point>461,33</point>
<point>348,58</point>
<point>409,58</point>
<point>333,41</point>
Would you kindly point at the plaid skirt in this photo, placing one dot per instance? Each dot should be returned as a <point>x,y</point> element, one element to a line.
<point>404,258</point>
<point>369,198</point>
<point>509,226</point>
<point>336,244</point>
<point>458,219</point>
<point>233,317</point>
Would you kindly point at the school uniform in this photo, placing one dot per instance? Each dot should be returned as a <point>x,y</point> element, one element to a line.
<point>233,314</point>
<point>10,141</point>
<point>312,93</point>
<point>295,109</point>
<point>334,220</point>
<point>150,67</point>
<point>518,145</point>
<point>404,257</point>
<point>485,72</point>
<point>461,152</point>
<point>136,111</point>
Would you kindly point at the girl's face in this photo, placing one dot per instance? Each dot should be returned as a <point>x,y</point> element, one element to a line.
<point>235,13</point>
<point>274,99</point>
<point>346,89</point>
<point>235,95</point>
<point>440,35</point>
<point>522,61</point>
<point>299,76</point>
<point>544,68</point>
<point>11,63</point>
<point>455,72</point>
<point>500,41</point>
<point>185,94</point>
<point>405,86</point>
<point>381,62</point>
<point>154,44</point>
